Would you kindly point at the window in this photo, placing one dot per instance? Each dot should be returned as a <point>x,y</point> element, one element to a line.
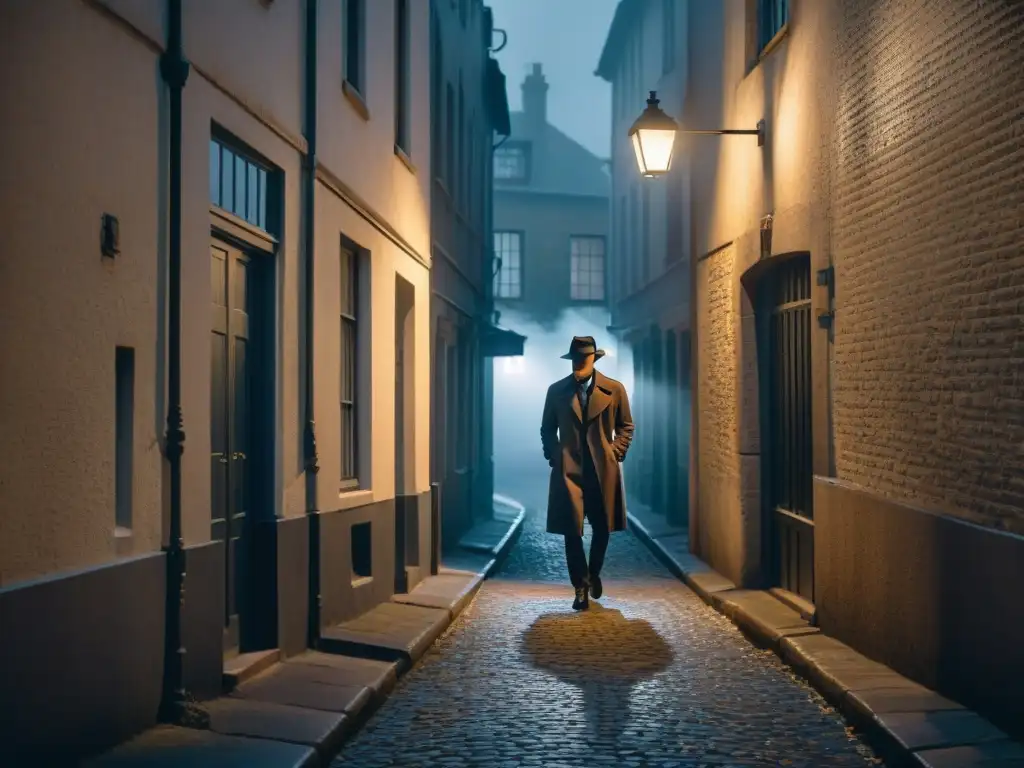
<point>124,431</point>
<point>511,162</point>
<point>402,75</point>
<point>238,185</point>
<point>349,311</point>
<point>772,16</point>
<point>508,248</point>
<point>461,126</point>
<point>449,124</point>
<point>587,268</point>
<point>668,35</point>
<point>355,19</point>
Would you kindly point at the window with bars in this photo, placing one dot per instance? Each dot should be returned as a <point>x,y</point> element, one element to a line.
<point>508,248</point>
<point>238,184</point>
<point>772,15</point>
<point>587,268</point>
<point>511,162</point>
<point>349,359</point>
<point>355,26</point>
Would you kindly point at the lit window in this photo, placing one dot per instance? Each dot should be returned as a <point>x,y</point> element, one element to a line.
<point>587,265</point>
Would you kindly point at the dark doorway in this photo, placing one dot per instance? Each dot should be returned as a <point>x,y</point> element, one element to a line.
<point>784,313</point>
<point>406,518</point>
<point>241,420</point>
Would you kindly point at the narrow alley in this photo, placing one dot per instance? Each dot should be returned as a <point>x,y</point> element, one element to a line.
<point>650,676</point>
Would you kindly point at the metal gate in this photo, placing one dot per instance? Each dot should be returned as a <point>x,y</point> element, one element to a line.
<point>786,416</point>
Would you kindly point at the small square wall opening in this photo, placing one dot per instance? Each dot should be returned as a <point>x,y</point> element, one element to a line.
<point>362,551</point>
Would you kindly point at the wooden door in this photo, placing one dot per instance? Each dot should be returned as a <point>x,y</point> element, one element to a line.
<point>230,422</point>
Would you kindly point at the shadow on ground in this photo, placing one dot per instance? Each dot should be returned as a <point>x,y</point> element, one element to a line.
<point>602,653</point>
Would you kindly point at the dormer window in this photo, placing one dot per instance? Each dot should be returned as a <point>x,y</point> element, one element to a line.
<point>512,161</point>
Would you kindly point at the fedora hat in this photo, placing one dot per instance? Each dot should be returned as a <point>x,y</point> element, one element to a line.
<point>583,345</point>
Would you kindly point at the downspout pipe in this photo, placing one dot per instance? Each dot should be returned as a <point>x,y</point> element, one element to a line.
<point>175,706</point>
<point>309,240</point>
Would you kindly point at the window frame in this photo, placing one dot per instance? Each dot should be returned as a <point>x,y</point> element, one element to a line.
<point>573,267</point>
<point>403,76</point>
<point>355,46</point>
<point>527,155</point>
<point>349,471</point>
<point>497,281</point>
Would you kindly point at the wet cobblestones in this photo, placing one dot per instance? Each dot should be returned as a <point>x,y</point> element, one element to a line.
<point>650,676</point>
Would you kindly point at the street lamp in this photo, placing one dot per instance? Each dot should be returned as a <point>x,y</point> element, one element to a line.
<point>654,137</point>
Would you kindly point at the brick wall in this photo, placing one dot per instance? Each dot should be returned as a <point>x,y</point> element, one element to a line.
<point>928,242</point>
<point>717,404</point>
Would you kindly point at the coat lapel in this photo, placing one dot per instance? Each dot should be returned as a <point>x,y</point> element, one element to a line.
<point>570,388</point>
<point>600,398</point>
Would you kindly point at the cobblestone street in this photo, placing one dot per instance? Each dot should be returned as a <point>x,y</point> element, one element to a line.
<point>649,676</point>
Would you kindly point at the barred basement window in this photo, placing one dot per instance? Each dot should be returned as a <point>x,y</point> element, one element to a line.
<point>238,184</point>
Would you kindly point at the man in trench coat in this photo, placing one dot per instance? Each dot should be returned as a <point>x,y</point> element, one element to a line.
<point>585,432</point>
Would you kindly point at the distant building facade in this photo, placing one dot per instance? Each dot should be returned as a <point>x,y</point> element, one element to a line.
<point>550,280</point>
<point>648,268</point>
<point>305,472</point>
<point>469,109</point>
<point>855,309</point>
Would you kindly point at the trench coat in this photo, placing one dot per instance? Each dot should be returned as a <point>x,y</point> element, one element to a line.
<point>609,431</point>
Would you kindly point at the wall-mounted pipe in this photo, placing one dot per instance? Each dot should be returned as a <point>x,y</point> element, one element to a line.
<point>312,462</point>
<point>175,706</point>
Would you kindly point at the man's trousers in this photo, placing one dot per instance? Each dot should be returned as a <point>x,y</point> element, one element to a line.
<point>580,572</point>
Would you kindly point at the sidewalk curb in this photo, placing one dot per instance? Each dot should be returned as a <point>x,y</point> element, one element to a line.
<point>925,731</point>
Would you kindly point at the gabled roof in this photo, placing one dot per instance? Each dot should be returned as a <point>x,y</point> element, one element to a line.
<point>558,164</point>
<point>626,14</point>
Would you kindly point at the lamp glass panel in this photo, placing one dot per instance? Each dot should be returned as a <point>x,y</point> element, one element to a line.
<point>635,137</point>
<point>656,146</point>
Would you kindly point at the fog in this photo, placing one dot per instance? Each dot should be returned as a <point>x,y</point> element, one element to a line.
<point>520,384</point>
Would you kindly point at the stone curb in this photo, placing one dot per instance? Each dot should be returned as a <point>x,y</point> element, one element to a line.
<point>929,732</point>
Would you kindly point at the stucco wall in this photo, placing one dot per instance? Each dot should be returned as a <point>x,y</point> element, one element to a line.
<point>929,399</point>
<point>68,159</point>
<point>99,146</point>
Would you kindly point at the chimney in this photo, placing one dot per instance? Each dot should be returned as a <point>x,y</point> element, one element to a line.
<point>535,98</point>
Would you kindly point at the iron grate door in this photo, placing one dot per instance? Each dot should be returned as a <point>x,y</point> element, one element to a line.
<point>788,380</point>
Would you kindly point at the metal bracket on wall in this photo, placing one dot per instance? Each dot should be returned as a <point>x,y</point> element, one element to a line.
<point>825,319</point>
<point>827,276</point>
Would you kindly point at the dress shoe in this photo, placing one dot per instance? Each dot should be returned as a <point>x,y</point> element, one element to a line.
<point>596,587</point>
<point>582,601</point>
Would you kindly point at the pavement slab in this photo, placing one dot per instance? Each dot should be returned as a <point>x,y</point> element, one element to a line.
<point>294,685</point>
<point>389,631</point>
<point>761,615</point>
<point>448,591</point>
<point>994,754</point>
<point>315,728</point>
<point>915,731</point>
<point>171,747</point>
<point>379,676</point>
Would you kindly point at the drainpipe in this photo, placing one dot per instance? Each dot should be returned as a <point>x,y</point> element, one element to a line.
<point>175,706</point>
<point>309,236</point>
